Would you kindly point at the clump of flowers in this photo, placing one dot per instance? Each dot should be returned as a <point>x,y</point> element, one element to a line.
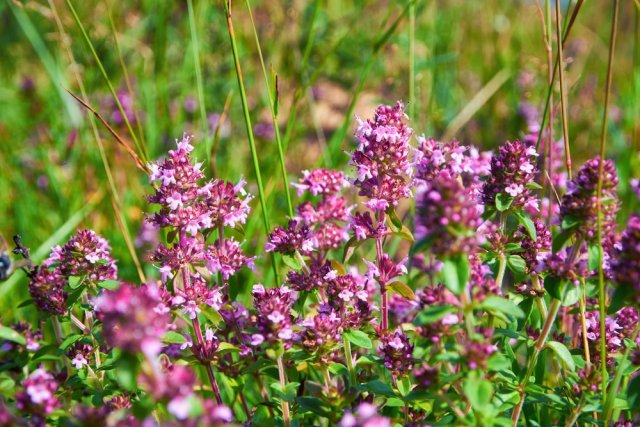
<point>626,266</point>
<point>37,397</point>
<point>578,209</point>
<point>372,311</point>
<point>134,318</point>
<point>447,216</point>
<point>382,157</point>
<point>513,169</point>
<point>85,255</point>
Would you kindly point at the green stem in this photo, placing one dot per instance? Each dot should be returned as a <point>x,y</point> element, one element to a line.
<point>539,345</point>
<point>349,359</point>
<point>247,122</point>
<point>140,148</point>
<point>567,31</point>
<point>502,264</point>
<point>274,116</point>
<point>603,143</point>
<point>283,383</point>
<point>412,61</point>
<point>198,70</point>
<point>563,104</point>
<point>542,306</point>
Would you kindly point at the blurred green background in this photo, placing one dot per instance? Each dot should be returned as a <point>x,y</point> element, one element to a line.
<point>477,66</point>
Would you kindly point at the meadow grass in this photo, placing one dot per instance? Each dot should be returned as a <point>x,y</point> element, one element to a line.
<point>332,60</point>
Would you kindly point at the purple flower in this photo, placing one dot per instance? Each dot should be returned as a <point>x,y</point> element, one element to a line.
<point>382,157</point>
<point>131,318</point>
<point>46,288</point>
<point>195,294</point>
<point>617,327</point>
<point>425,375</point>
<point>579,206</point>
<point>227,258</point>
<point>432,157</point>
<point>396,352</point>
<point>447,216</point>
<point>316,278</point>
<point>273,313</point>
<point>188,251</point>
<point>366,415</point>
<point>80,354</point>
<point>556,265</point>
<point>296,237</point>
<point>626,266</point>
<point>85,254</point>
<point>511,170</point>
<point>361,224</point>
<point>37,396</point>
<point>325,182</point>
<point>228,203</point>
<point>179,193</point>
<point>477,350</point>
<point>322,332</point>
<point>535,252</point>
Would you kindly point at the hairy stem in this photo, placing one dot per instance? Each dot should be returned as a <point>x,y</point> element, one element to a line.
<point>563,100</point>
<point>349,359</point>
<point>542,306</point>
<point>538,346</point>
<point>283,383</point>
<point>603,143</point>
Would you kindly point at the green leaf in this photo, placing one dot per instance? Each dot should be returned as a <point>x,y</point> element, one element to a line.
<point>512,247</point>
<point>287,393</point>
<point>621,295</point>
<point>11,335</point>
<point>555,286</point>
<point>503,201</point>
<point>563,354</point>
<point>433,314</point>
<point>569,222</point>
<point>350,247</point>
<point>127,371</point>
<point>25,303</point>
<point>71,339</point>
<point>338,369</point>
<point>561,239</point>
<point>455,273</point>
<point>359,338</point>
<point>225,347</point>
<point>401,289</point>
<point>404,386</point>
<point>405,234</point>
<point>633,392</point>
<point>76,282</point>
<point>211,314</point>
<point>502,305</point>
<point>595,256</point>
<point>315,405</point>
<point>173,337</point>
<point>528,224</point>
<point>378,387</point>
<point>292,262</point>
<point>563,290</point>
<point>516,264</point>
<point>109,284</point>
<point>478,391</point>
<point>396,223</point>
<point>533,186</point>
